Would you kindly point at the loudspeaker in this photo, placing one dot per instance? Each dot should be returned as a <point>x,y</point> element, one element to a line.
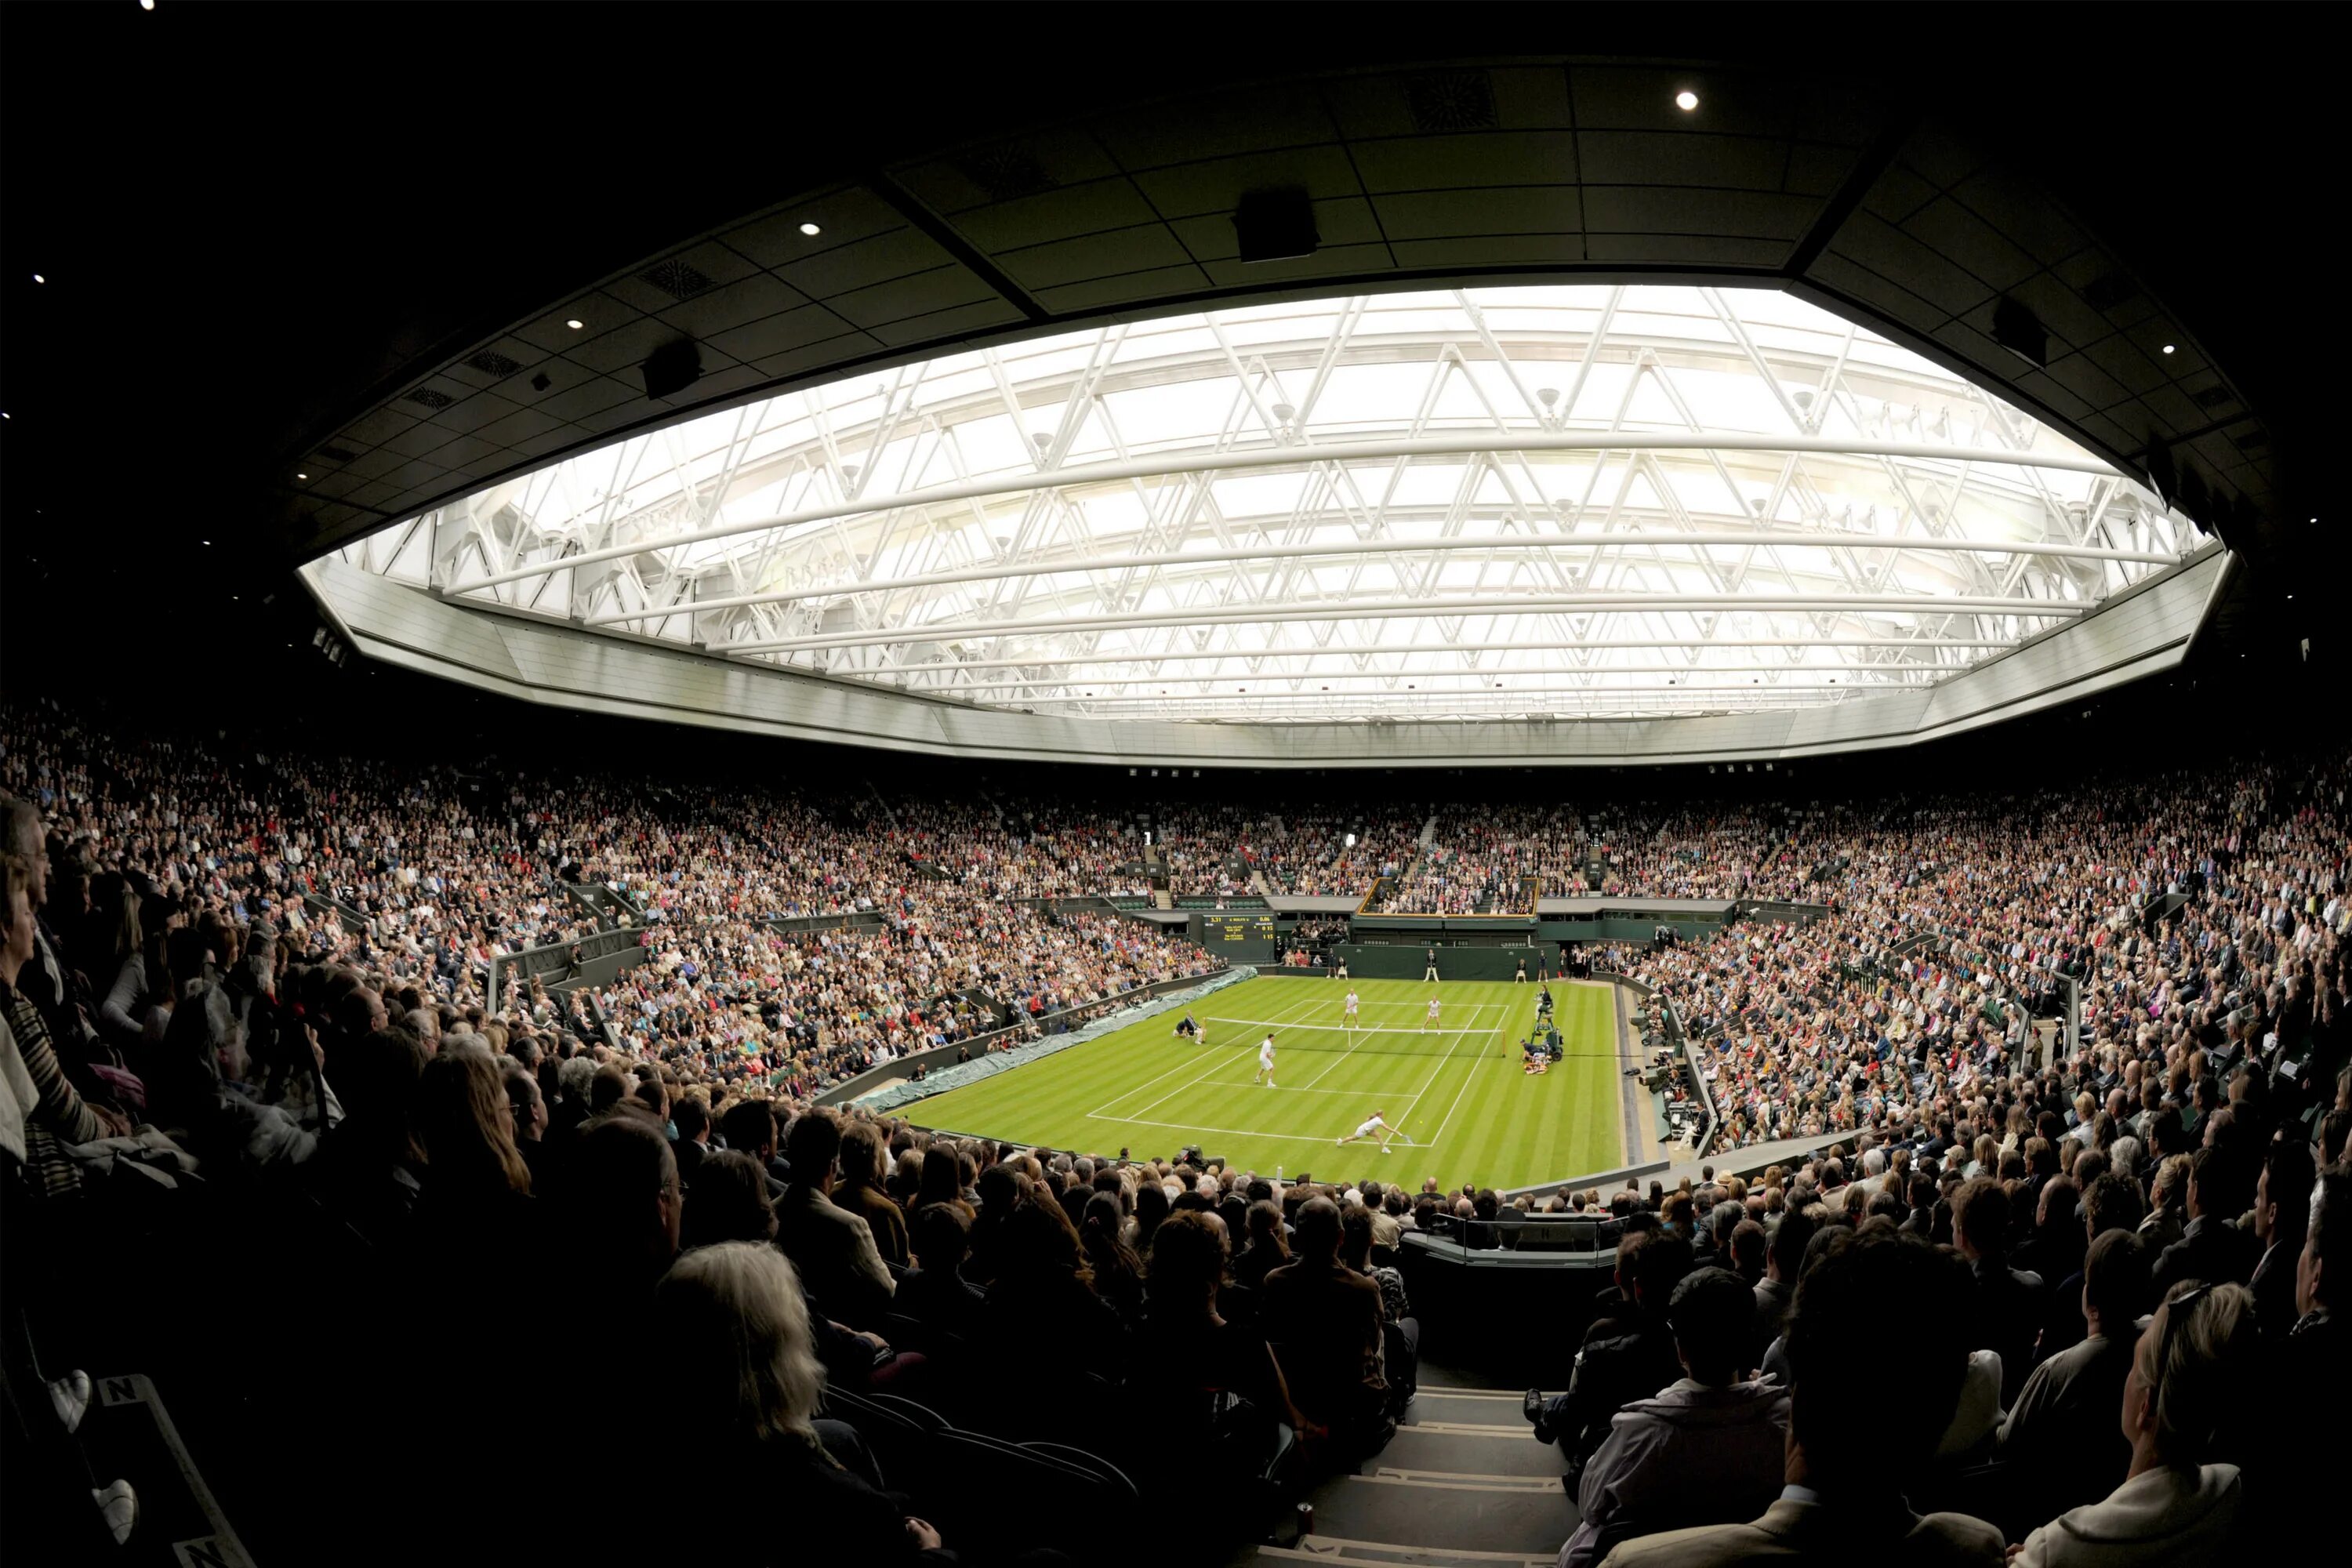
<point>1275,225</point>
<point>672,368</point>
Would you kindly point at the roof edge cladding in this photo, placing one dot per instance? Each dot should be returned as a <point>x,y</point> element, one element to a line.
<point>2141,632</point>
<point>1507,504</point>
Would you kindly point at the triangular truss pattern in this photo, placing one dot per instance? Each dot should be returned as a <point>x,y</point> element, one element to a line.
<point>1480,503</point>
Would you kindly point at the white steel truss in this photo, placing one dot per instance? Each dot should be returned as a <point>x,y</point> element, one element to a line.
<point>1493,502</point>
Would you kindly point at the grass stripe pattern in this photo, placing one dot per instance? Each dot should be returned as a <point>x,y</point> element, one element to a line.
<point>1455,1090</point>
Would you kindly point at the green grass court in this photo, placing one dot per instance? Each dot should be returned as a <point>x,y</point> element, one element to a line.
<point>1458,1090</point>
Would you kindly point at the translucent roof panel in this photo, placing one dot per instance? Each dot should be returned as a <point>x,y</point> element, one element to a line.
<point>1540,501</point>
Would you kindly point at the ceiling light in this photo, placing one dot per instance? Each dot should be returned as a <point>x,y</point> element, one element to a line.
<point>2167,348</point>
<point>811,230</point>
<point>146,4</point>
<point>301,476</point>
<point>206,543</point>
<point>38,279</point>
<point>575,324</point>
<point>1687,100</point>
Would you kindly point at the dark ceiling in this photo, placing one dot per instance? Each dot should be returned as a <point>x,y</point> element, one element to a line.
<point>256,223</point>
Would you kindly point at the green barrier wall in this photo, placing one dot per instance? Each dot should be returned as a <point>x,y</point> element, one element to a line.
<point>1376,961</point>
<point>1617,928</point>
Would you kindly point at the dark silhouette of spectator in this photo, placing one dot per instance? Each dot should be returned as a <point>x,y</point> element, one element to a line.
<point>1713,1424</point>
<point>2008,1301</point>
<point>1851,1448</point>
<point>2211,1248</point>
<point>2187,1376</point>
<point>2059,1443</point>
<point>1634,1362</point>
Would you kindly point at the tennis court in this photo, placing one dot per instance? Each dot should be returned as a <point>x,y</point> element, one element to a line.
<point>1463,1109</point>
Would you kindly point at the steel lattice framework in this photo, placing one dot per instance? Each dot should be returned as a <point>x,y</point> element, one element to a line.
<point>1580,501</point>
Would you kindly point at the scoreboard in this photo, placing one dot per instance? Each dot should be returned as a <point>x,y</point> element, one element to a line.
<point>1255,927</point>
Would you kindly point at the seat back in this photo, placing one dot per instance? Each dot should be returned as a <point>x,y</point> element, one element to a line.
<point>900,1434</point>
<point>983,1480</point>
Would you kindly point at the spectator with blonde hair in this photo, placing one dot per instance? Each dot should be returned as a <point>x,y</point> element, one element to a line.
<point>742,1386</point>
<point>2176,1504</point>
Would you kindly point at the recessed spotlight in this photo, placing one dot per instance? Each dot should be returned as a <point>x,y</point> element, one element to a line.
<point>146,4</point>
<point>206,543</point>
<point>38,279</point>
<point>575,324</point>
<point>810,229</point>
<point>2167,348</point>
<point>301,476</point>
<point>1687,100</point>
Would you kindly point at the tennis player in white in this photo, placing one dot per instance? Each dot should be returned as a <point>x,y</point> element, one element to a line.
<point>1376,1128</point>
<point>1266,1062</point>
<point>1352,1007</point>
<point>1432,1023</point>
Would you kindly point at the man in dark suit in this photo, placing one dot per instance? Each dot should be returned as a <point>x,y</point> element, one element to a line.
<point>2308,1369</point>
<point>832,1248</point>
<point>2281,1211</point>
<point>692,1118</point>
<point>2212,1248</point>
<point>2008,1301</point>
<point>748,1126</point>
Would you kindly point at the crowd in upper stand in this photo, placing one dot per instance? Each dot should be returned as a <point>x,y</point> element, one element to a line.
<point>1480,858</point>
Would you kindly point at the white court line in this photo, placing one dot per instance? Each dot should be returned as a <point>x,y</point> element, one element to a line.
<point>1366,1029</point>
<point>1235,1131</point>
<point>1181,1088</point>
<point>1433,1077</point>
<point>1457,1101</point>
<point>1198,1047</point>
<point>1470,1027</point>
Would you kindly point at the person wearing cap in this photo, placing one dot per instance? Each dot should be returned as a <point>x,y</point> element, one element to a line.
<point>1716,1421</point>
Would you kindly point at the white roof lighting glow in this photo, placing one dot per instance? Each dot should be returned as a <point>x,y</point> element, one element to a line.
<point>1491,503</point>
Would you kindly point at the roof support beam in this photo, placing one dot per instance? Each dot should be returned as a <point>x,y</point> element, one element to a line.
<point>1545,543</point>
<point>1390,609</point>
<point>1286,456</point>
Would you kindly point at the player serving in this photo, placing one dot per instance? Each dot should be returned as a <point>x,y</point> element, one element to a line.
<point>1432,1023</point>
<point>1350,1012</point>
<point>1376,1128</point>
<point>1266,1062</point>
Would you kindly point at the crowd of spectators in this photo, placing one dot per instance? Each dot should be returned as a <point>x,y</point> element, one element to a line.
<point>1482,858</point>
<point>2201,919</point>
<point>2098,1350</point>
<point>2017,1243</point>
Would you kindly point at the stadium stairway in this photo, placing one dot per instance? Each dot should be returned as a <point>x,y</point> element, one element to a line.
<point>1463,1484</point>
